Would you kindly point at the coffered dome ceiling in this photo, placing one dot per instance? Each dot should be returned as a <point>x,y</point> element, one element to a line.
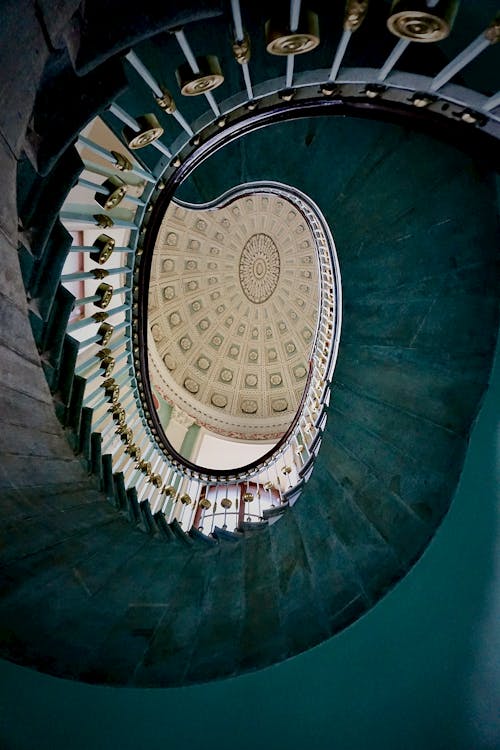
<point>233,307</point>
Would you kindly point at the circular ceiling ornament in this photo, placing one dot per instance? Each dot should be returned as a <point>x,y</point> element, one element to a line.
<point>259,268</point>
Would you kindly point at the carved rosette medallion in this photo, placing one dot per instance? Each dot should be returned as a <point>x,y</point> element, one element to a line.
<point>259,268</point>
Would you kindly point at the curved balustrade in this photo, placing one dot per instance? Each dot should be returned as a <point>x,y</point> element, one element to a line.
<point>107,329</point>
<point>181,492</point>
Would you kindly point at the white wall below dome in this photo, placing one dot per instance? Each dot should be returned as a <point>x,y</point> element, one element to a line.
<point>221,453</point>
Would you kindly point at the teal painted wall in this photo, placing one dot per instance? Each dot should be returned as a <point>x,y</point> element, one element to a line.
<point>418,672</point>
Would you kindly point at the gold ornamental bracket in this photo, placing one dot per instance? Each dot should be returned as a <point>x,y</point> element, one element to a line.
<point>111,390</point>
<point>241,49</point>
<point>281,40</point>
<point>492,33</point>
<point>116,191</point>
<point>119,415</point>
<point>121,161</point>
<point>105,331</point>
<point>166,102</point>
<point>208,77</point>
<point>104,246</point>
<point>156,480</point>
<point>103,221</point>
<point>354,14</point>
<point>149,130</point>
<point>104,293</point>
<point>422,21</point>
<point>133,451</point>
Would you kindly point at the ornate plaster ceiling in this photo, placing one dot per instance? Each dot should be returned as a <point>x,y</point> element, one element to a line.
<point>233,306</point>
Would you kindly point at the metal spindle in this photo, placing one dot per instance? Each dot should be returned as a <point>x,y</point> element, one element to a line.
<point>474,49</point>
<point>392,59</point>
<point>109,156</point>
<point>145,74</point>
<point>91,249</point>
<point>78,217</point>
<point>493,102</point>
<point>191,60</point>
<point>339,54</point>
<point>81,275</point>
<point>128,120</point>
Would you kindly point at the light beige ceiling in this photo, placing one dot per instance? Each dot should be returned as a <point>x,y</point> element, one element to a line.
<point>233,306</point>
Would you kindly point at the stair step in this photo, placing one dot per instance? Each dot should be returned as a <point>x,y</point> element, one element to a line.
<point>225,535</point>
<point>335,578</point>
<point>74,415</point>
<point>424,490</point>
<point>47,272</point>
<point>377,563</point>
<point>251,527</point>
<point>40,198</point>
<point>200,538</point>
<point>85,434</point>
<point>120,491</point>
<point>55,329</point>
<point>163,527</point>
<point>262,640</point>
<point>67,372</point>
<point>96,456</point>
<point>217,645</point>
<point>147,520</point>
<point>179,533</point>
<point>108,484</point>
<point>396,522</point>
<point>301,616</point>
<point>172,640</point>
<point>272,514</point>
<point>133,510</point>
<point>136,597</point>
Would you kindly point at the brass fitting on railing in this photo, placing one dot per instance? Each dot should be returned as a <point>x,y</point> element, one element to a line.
<point>111,390</point>
<point>104,245</point>
<point>421,21</point>
<point>103,221</point>
<point>116,192</point>
<point>280,40</point>
<point>492,33</point>
<point>105,332</point>
<point>121,162</point>
<point>105,294</point>
<point>99,273</point>
<point>166,102</point>
<point>209,76</point>
<point>118,414</point>
<point>354,15</point>
<point>149,130</point>
<point>125,433</point>
<point>133,451</point>
<point>241,49</point>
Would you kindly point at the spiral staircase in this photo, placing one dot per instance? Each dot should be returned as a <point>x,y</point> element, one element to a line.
<point>96,588</point>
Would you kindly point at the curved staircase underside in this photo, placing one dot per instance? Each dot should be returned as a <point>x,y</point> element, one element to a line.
<point>91,588</point>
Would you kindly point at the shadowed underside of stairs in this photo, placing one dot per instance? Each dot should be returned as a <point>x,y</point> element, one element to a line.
<point>92,586</point>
